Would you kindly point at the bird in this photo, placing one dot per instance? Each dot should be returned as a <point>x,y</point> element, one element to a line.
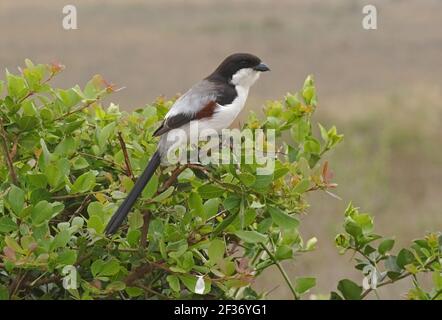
<point>213,103</point>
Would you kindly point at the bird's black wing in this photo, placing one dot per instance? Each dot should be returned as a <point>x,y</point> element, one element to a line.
<point>200,102</point>
<point>173,122</point>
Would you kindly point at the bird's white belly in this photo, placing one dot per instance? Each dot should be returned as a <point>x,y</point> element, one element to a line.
<point>199,130</point>
<point>226,114</point>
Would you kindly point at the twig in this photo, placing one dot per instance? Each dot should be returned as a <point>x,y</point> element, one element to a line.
<point>172,178</point>
<point>281,269</point>
<point>146,221</point>
<point>82,206</point>
<point>85,106</point>
<point>77,195</point>
<point>31,93</point>
<point>405,275</point>
<point>150,290</point>
<point>16,284</point>
<point>366,292</point>
<point>138,273</point>
<point>113,163</point>
<point>13,152</point>
<point>126,156</point>
<point>8,158</point>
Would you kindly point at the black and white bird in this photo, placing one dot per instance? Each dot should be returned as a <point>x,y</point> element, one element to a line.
<point>213,103</point>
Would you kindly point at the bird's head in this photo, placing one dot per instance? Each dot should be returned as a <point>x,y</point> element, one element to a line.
<point>241,69</point>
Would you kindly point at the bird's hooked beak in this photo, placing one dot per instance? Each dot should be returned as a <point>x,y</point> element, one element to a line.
<point>261,67</point>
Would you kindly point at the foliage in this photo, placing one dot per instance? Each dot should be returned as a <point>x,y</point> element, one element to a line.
<point>424,256</point>
<point>197,231</point>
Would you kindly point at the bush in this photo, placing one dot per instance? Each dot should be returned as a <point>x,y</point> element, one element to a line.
<point>197,231</point>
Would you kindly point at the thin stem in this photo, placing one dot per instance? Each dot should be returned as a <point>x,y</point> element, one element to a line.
<point>283,272</point>
<point>85,106</point>
<point>77,195</point>
<point>175,173</point>
<point>145,229</point>
<point>113,163</point>
<point>7,154</point>
<point>366,292</point>
<point>126,156</point>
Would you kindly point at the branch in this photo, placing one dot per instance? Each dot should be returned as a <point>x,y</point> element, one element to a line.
<point>31,93</point>
<point>281,269</point>
<point>126,156</point>
<point>146,221</point>
<point>403,276</point>
<point>366,292</point>
<point>138,273</point>
<point>78,195</point>
<point>114,164</point>
<point>85,106</point>
<point>9,161</point>
<point>172,178</point>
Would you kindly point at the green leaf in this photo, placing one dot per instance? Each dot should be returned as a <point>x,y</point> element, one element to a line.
<point>209,191</point>
<point>300,130</point>
<point>350,290</point>
<point>302,285</point>
<point>262,183</point>
<point>196,204</point>
<point>60,240</point>
<point>224,224</point>
<point>247,179</point>
<point>7,225</point>
<point>4,292</point>
<point>135,220</point>
<point>27,123</point>
<point>134,291</point>
<point>16,199</point>
<point>16,85</point>
<point>38,180</point>
<point>282,219</point>
<point>96,266</point>
<point>164,195</point>
<point>96,223</point>
<point>365,221</point>
<point>110,268</point>
<point>67,257</point>
<point>84,183</point>
<point>386,246</point>
<point>216,250</point>
<point>251,236</point>
<point>116,286</point>
<point>104,134</point>
<point>353,228</point>
<point>41,212</point>
<point>174,282</point>
<point>232,202</point>
<point>302,186</point>
<point>211,207</point>
<point>53,175</point>
<point>284,252</point>
<point>324,133</point>
<point>190,283</point>
<point>311,145</point>
<point>391,265</point>
<point>404,257</point>
<point>66,147</point>
<point>105,268</point>
<point>151,187</point>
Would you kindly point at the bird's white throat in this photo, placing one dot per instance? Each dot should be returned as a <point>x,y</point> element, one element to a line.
<point>245,77</point>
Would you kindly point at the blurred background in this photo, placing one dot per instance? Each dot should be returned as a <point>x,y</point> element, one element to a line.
<point>382,88</point>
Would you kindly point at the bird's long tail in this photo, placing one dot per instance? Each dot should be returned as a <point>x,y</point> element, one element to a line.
<point>124,209</point>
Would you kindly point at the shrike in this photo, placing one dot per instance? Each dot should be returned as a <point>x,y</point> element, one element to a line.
<point>213,103</point>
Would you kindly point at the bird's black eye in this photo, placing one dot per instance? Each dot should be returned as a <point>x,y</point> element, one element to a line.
<point>243,63</point>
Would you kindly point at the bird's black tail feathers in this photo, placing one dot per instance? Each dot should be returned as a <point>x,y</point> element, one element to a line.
<point>124,209</point>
